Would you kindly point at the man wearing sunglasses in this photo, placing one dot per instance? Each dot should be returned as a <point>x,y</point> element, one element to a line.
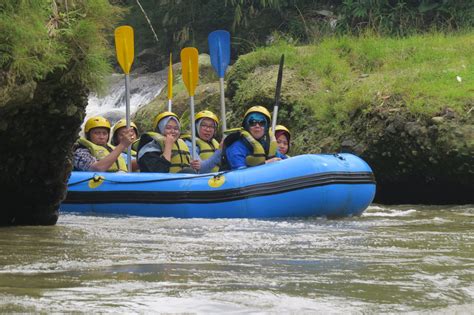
<point>253,145</point>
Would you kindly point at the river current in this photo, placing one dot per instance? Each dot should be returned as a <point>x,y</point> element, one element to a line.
<point>392,259</point>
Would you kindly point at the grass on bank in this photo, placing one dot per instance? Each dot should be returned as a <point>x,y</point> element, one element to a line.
<point>425,73</point>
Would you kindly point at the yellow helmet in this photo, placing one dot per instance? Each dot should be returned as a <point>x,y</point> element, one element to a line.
<point>207,114</point>
<point>161,116</point>
<point>120,124</point>
<point>282,128</point>
<point>96,122</point>
<point>259,109</point>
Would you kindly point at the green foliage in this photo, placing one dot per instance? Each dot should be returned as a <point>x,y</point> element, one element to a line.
<point>342,75</point>
<point>404,17</point>
<point>254,23</point>
<point>41,36</point>
<point>25,47</point>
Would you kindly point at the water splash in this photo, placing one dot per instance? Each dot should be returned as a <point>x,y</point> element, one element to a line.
<point>143,89</point>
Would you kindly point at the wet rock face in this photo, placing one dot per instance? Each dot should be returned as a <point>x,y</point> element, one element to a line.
<point>417,160</point>
<point>35,160</point>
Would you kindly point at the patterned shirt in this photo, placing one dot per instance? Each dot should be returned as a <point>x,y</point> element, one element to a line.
<point>83,159</point>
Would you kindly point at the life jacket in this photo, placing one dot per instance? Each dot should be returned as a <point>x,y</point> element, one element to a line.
<point>206,149</point>
<point>180,155</point>
<point>100,152</point>
<point>258,153</point>
<point>134,148</point>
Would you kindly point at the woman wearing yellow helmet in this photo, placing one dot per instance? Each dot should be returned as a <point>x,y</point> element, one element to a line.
<point>282,135</point>
<point>254,144</point>
<point>93,153</point>
<point>207,147</point>
<point>162,151</point>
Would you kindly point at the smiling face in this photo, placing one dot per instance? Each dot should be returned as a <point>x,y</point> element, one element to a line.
<point>99,135</point>
<point>172,128</point>
<point>207,128</point>
<point>282,142</point>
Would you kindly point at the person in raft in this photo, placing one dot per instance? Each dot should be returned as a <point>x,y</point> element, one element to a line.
<point>93,153</point>
<point>162,151</point>
<point>253,145</point>
<point>207,147</point>
<point>282,135</point>
<point>119,131</point>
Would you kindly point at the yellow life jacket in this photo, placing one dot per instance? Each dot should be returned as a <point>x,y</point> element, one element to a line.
<point>206,149</point>
<point>134,148</point>
<point>180,155</point>
<point>258,154</point>
<point>100,152</point>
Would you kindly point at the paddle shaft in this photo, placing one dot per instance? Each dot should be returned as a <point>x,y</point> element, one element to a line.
<point>224,125</point>
<point>275,115</point>
<point>277,93</point>
<point>193,128</point>
<point>127,119</point>
<point>170,84</point>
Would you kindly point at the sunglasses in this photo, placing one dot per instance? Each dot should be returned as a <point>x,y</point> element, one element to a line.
<point>261,123</point>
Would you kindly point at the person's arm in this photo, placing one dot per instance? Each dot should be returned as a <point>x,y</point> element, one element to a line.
<point>153,162</point>
<point>83,159</point>
<point>210,163</point>
<point>236,155</point>
<point>104,164</point>
<point>277,157</point>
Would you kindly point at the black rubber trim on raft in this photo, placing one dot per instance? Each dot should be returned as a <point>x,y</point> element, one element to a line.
<point>212,196</point>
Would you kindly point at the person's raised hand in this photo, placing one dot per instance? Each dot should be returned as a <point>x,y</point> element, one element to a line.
<point>170,140</point>
<point>128,137</point>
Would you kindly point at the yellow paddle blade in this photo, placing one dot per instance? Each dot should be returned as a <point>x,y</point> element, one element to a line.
<point>124,47</point>
<point>170,79</point>
<point>190,72</point>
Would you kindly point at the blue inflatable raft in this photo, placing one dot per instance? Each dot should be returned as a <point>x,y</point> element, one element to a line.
<point>307,185</point>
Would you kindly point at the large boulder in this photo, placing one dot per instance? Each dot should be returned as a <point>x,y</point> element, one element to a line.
<point>38,129</point>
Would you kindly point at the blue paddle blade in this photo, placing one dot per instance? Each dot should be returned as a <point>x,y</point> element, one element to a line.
<point>219,50</point>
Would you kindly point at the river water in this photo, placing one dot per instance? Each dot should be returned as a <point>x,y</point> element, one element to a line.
<point>392,259</point>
